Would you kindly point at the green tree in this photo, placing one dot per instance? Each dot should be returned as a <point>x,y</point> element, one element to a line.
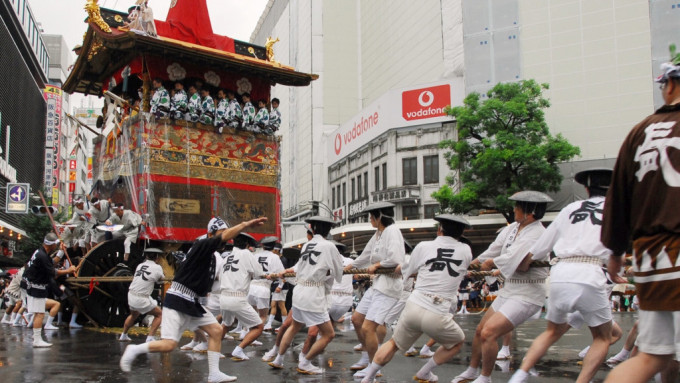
<point>503,146</point>
<point>36,228</point>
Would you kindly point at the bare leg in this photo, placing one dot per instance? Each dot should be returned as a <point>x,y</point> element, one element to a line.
<point>130,320</point>
<point>602,335</point>
<point>312,332</point>
<point>381,332</point>
<point>289,335</point>
<point>282,308</point>
<point>541,344</point>
<point>369,329</point>
<point>476,355</point>
<point>494,327</point>
<point>670,374</point>
<point>157,318</point>
<point>358,322</point>
<point>252,335</point>
<point>327,335</point>
<point>640,368</point>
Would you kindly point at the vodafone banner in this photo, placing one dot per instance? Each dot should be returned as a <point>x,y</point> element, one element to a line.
<point>395,109</point>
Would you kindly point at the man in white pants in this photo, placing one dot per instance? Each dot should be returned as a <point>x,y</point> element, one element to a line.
<point>183,309</point>
<point>130,230</point>
<point>260,289</point>
<point>238,270</point>
<point>384,249</point>
<point>524,291</point>
<point>147,274</point>
<point>441,265</point>
<point>319,265</point>
<point>577,283</point>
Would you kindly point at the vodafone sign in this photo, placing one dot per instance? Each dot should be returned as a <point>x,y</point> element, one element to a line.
<point>426,102</point>
<point>395,109</point>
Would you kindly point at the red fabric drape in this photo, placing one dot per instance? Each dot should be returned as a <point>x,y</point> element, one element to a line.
<point>189,21</point>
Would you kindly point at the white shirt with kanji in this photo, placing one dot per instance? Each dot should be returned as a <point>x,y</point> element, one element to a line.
<point>386,247</point>
<point>441,265</point>
<point>319,265</point>
<point>147,274</point>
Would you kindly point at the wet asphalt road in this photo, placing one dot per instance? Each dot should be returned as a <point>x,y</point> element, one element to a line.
<point>90,356</point>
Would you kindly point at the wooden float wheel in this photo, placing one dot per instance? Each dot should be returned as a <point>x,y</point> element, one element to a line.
<point>106,303</point>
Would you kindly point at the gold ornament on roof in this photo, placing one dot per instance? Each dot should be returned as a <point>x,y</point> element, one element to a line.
<point>173,3</point>
<point>269,47</point>
<point>92,9</point>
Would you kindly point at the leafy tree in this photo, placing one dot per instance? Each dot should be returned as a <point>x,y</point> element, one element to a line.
<point>503,146</point>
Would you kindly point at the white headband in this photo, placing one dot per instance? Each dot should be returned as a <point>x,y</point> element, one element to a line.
<point>48,242</point>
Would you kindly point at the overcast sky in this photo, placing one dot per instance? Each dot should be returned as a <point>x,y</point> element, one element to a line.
<point>233,18</point>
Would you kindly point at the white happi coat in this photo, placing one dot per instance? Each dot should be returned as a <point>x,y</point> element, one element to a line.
<point>441,265</point>
<point>270,263</point>
<point>576,233</point>
<point>388,249</point>
<point>508,250</point>
<point>319,265</point>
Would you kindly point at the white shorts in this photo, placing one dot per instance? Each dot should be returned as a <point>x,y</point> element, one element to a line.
<point>591,303</point>
<point>659,333</point>
<point>515,310</point>
<point>375,306</point>
<point>174,323</point>
<point>463,296</point>
<point>258,302</point>
<point>141,304</point>
<point>35,305</point>
<point>278,297</point>
<point>238,308</point>
<point>395,311</point>
<point>213,304</point>
<point>310,318</point>
<point>336,311</point>
<point>12,300</point>
<point>416,320</point>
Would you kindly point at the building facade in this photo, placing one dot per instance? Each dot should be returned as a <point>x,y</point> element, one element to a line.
<point>599,59</point>
<point>24,63</point>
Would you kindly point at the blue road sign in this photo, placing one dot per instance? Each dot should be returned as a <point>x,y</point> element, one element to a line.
<point>17,198</point>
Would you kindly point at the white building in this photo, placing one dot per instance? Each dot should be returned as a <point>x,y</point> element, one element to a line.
<point>598,57</point>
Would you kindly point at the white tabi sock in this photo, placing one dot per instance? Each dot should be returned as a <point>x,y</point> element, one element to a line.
<point>283,318</point>
<point>13,317</point>
<point>37,334</point>
<point>371,370</point>
<point>623,354</point>
<point>279,359</point>
<point>213,363</point>
<point>471,371</point>
<point>364,357</point>
<point>6,318</point>
<point>31,316</point>
<point>19,318</point>
<point>427,368</point>
<point>425,349</point>
<point>49,322</point>
<point>74,316</point>
<point>271,319</point>
<point>59,316</point>
<point>519,376</point>
<point>275,349</point>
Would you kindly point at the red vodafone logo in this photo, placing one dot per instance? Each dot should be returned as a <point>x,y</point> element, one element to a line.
<point>426,102</point>
<point>338,143</point>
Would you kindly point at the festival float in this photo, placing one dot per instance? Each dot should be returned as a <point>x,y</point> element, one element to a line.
<point>176,174</point>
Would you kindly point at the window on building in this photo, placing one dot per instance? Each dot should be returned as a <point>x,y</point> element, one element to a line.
<point>409,171</point>
<point>376,177</point>
<point>410,212</point>
<point>354,190</point>
<point>344,194</point>
<point>339,198</point>
<point>365,184</point>
<point>384,176</point>
<point>359,188</point>
<point>431,169</point>
<point>333,198</point>
<point>431,211</point>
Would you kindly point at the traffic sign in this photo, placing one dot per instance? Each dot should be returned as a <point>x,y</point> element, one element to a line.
<point>17,198</point>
